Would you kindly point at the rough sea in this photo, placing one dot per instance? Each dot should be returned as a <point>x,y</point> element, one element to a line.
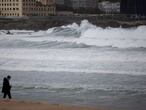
<point>76,64</point>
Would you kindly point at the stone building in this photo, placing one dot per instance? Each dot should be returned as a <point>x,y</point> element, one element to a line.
<point>27,7</point>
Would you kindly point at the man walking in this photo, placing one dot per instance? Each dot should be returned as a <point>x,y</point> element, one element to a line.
<point>6,89</point>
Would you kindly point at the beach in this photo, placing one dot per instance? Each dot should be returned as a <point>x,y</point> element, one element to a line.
<point>77,65</point>
<point>26,105</point>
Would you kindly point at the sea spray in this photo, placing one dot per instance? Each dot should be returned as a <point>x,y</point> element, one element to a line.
<point>74,35</point>
<point>75,48</point>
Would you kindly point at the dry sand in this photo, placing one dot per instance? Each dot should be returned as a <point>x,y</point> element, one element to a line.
<point>25,105</point>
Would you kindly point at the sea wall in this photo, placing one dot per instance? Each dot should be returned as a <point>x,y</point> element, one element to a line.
<point>43,23</point>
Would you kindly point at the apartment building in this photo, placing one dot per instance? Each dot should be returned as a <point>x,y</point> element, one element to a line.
<point>27,7</point>
<point>10,8</point>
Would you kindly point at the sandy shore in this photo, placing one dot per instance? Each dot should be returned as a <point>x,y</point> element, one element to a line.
<point>25,105</point>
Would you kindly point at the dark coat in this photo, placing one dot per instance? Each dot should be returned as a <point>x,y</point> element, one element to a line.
<point>6,86</point>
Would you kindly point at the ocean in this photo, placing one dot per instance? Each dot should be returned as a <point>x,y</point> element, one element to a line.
<point>77,64</point>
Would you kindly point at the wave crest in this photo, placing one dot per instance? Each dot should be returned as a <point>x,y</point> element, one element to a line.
<point>80,36</point>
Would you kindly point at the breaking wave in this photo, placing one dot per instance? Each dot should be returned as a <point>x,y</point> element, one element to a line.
<point>82,35</point>
<point>99,90</point>
<point>44,44</point>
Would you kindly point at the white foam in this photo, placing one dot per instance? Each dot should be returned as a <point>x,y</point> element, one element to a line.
<point>46,51</point>
<point>85,33</point>
<point>116,37</point>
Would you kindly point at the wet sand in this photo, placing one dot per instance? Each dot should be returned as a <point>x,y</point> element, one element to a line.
<point>27,105</point>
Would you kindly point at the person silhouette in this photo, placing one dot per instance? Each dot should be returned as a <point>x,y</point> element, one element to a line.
<point>6,89</point>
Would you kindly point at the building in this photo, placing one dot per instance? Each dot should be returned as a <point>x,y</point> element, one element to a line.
<point>77,6</point>
<point>84,4</point>
<point>137,7</point>
<point>8,8</point>
<point>46,2</point>
<point>64,8</point>
<point>22,8</point>
<point>60,2</point>
<point>60,5</point>
<point>109,7</point>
